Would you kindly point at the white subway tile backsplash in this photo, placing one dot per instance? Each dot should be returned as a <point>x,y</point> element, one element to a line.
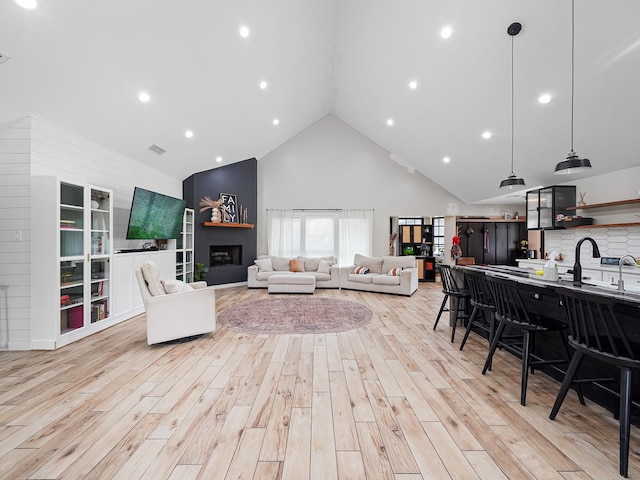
<point>612,242</point>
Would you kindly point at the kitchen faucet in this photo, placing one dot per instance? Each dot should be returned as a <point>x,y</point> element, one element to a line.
<point>620,262</point>
<point>577,268</point>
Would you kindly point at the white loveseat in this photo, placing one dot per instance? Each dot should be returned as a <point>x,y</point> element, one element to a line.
<point>388,274</point>
<point>325,270</point>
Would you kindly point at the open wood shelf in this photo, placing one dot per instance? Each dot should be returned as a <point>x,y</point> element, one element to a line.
<point>228,225</point>
<point>606,204</point>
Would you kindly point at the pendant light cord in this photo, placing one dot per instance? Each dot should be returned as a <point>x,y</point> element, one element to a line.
<point>512,105</point>
<point>572,64</point>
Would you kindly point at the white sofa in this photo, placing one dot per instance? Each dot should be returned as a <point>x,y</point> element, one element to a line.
<point>190,311</point>
<point>324,269</point>
<point>379,277</point>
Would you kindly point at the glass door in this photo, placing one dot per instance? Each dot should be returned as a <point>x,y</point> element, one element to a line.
<point>71,257</point>
<point>546,208</point>
<point>532,210</point>
<point>100,254</point>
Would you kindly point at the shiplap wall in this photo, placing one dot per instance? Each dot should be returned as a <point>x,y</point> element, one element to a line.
<point>15,245</point>
<point>74,159</point>
<point>33,146</point>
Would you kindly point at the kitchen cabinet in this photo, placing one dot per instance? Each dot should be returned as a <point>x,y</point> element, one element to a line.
<point>491,242</point>
<point>545,204</point>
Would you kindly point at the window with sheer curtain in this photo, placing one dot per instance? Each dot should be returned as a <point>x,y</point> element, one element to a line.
<point>320,233</point>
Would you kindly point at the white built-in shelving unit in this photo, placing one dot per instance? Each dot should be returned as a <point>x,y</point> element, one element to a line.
<point>184,251</point>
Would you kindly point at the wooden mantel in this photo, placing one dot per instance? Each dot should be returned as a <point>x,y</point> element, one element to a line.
<point>228,225</point>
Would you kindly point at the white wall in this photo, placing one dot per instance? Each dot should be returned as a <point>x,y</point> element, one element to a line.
<point>331,165</point>
<point>15,244</point>
<point>32,146</point>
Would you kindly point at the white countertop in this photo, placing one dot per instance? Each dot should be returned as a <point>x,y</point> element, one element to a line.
<point>533,263</point>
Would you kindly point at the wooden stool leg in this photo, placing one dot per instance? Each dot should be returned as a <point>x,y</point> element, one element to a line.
<point>469,325</point>
<point>526,347</point>
<point>566,383</point>
<point>444,301</point>
<point>492,349</point>
<point>625,419</point>
<point>456,307</point>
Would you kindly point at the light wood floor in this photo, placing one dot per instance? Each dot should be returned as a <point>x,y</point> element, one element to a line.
<point>392,400</point>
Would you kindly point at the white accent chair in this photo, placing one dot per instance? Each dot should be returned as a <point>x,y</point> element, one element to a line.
<point>172,316</point>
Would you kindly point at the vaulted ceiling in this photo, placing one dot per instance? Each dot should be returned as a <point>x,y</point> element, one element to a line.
<point>81,65</point>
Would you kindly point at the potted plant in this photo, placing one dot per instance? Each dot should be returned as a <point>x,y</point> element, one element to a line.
<point>200,271</point>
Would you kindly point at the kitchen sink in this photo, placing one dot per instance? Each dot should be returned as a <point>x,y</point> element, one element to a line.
<point>612,286</point>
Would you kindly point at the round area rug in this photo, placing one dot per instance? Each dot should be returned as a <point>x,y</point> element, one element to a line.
<point>280,315</point>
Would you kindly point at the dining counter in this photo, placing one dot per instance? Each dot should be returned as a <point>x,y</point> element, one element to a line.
<point>526,277</point>
<point>542,298</point>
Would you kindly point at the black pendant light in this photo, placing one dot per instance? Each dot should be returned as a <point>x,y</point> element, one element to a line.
<point>573,163</point>
<point>512,181</point>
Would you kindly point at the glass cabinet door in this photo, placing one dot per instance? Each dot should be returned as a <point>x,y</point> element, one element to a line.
<point>532,210</point>
<point>71,257</point>
<point>546,208</point>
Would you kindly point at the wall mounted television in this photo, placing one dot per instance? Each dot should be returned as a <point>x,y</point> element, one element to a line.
<point>154,216</point>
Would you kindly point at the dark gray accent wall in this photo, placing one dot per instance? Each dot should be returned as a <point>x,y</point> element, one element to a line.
<point>240,179</point>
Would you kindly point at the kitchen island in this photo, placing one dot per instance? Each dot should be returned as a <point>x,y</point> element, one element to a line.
<point>542,298</point>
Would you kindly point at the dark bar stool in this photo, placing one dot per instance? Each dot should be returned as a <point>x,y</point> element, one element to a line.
<point>596,332</point>
<point>450,289</point>
<point>511,312</point>
<point>482,302</point>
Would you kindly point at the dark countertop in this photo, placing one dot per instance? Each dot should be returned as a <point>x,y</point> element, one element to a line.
<point>523,275</point>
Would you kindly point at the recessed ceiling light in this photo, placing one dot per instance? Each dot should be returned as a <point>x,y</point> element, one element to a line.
<point>244,31</point>
<point>276,121</point>
<point>144,97</point>
<point>188,133</point>
<point>544,98</point>
<point>390,121</point>
<point>446,32</point>
<point>413,84</point>
<point>263,84</point>
<point>27,4</point>
<point>219,159</point>
<point>446,159</point>
<point>486,135</point>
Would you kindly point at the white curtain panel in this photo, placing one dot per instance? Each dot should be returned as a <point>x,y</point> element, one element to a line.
<point>356,234</point>
<point>284,233</point>
<point>286,239</point>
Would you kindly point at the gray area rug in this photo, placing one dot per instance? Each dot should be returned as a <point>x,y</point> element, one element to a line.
<point>279,315</point>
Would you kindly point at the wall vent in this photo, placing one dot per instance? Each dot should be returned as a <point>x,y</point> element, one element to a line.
<point>156,149</point>
<point>4,57</point>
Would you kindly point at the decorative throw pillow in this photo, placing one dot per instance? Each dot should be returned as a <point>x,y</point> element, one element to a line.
<point>324,266</point>
<point>152,277</point>
<point>311,264</point>
<point>296,265</point>
<point>395,272</point>
<point>361,270</point>
<point>264,265</point>
<point>280,264</point>
<point>176,286</point>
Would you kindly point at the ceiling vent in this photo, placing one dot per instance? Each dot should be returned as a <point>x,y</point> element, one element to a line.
<point>156,149</point>
<point>4,57</point>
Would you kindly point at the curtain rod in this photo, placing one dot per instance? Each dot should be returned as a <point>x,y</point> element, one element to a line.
<point>319,209</point>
